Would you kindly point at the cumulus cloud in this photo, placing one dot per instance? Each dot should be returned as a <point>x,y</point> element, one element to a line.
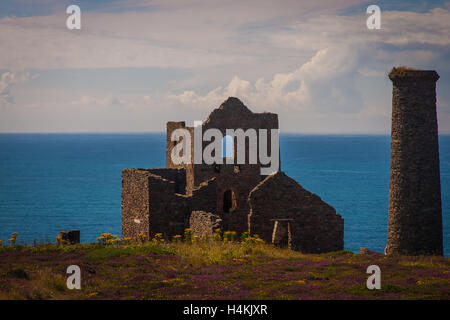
<point>300,59</point>
<point>348,65</point>
<point>325,83</point>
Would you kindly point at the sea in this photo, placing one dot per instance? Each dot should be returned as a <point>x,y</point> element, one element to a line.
<point>52,182</point>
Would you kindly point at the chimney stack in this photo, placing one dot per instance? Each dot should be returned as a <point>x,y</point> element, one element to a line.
<point>415,212</point>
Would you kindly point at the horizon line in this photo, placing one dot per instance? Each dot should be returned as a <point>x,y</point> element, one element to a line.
<point>162,132</point>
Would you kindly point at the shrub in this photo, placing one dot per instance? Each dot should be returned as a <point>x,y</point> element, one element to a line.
<point>158,238</point>
<point>141,237</point>
<point>126,240</point>
<point>188,235</point>
<point>108,238</point>
<point>217,235</point>
<point>244,236</point>
<point>177,238</point>
<point>255,239</point>
<point>13,238</point>
<point>205,238</point>
<point>229,236</point>
<point>60,241</point>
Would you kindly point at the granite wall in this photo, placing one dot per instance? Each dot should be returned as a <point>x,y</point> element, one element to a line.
<point>314,225</point>
<point>415,213</point>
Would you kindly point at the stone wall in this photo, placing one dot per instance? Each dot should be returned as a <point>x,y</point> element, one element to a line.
<point>177,175</point>
<point>204,223</point>
<point>236,178</point>
<point>314,225</point>
<point>168,214</point>
<point>415,213</point>
<point>188,168</point>
<point>135,202</point>
<point>151,203</point>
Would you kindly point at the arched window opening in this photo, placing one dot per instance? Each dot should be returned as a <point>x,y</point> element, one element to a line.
<point>229,201</point>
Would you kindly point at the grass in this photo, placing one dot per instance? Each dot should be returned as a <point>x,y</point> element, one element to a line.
<point>214,270</point>
<point>222,252</point>
<point>120,251</point>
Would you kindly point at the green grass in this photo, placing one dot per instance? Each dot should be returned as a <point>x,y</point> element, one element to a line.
<point>202,253</point>
<point>119,251</point>
<point>214,270</point>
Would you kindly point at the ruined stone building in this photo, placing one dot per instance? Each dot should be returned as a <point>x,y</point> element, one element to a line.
<point>234,197</point>
<point>415,212</point>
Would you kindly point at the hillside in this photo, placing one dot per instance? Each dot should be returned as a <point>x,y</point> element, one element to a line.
<point>215,270</point>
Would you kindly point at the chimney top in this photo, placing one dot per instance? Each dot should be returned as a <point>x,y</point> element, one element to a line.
<point>400,73</point>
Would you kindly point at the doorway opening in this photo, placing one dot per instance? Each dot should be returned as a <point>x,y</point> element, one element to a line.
<point>229,201</point>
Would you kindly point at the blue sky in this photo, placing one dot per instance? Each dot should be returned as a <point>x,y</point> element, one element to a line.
<point>390,5</point>
<point>28,8</point>
<point>135,65</point>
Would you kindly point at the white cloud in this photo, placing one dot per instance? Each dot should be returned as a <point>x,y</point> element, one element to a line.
<point>194,35</point>
<point>368,72</point>
<point>9,79</point>
<point>398,28</point>
<point>317,69</point>
<point>324,83</point>
<point>347,60</point>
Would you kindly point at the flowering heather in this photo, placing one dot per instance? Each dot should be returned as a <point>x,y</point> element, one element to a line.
<point>213,270</point>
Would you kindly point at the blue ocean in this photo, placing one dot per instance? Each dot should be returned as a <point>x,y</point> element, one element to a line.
<point>52,182</point>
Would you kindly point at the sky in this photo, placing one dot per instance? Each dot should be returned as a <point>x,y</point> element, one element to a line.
<point>135,65</point>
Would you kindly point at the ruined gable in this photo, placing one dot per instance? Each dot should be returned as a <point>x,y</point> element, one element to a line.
<point>279,202</point>
<point>232,113</point>
<point>234,181</point>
